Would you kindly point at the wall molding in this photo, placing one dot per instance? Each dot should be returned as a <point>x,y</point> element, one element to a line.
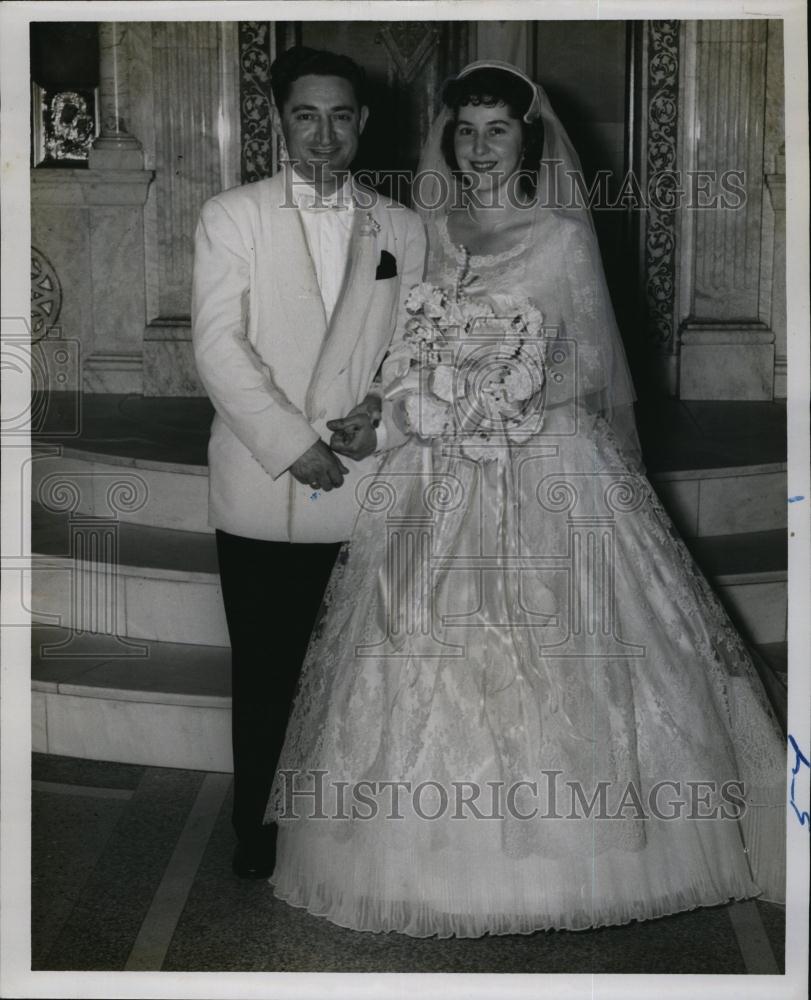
<point>113,373</point>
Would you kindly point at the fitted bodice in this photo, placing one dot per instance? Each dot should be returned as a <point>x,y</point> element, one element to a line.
<point>528,269</point>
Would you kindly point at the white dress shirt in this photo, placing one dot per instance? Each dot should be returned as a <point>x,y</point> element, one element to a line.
<point>327,221</point>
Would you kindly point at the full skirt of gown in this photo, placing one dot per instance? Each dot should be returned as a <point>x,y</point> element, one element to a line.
<point>524,647</point>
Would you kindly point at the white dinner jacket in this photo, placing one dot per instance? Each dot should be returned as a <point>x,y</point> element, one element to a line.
<point>272,366</point>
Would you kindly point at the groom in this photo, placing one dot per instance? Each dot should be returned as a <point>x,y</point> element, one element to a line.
<point>299,282</point>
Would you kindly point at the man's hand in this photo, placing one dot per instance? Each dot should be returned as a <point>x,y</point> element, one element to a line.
<point>319,468</point>
<point>354,435</point>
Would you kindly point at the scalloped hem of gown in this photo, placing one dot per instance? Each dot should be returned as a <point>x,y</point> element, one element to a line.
<point>357,887</point>
<point>430,923</point>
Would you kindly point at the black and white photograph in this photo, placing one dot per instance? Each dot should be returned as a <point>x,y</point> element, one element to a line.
<point>406,536</point>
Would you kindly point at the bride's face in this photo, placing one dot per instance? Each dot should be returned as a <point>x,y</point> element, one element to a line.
<point>488,143</point>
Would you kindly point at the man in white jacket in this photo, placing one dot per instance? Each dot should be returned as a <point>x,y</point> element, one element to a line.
<point>299,283</point>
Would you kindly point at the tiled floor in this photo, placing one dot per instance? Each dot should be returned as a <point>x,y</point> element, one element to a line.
<point>131,870</point>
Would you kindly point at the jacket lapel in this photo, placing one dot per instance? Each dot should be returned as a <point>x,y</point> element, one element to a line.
<point>348,322</point>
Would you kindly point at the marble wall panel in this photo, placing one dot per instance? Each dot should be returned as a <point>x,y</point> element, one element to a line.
<point>169,367</point>
<point>117,254</point>
<point>725,369</point>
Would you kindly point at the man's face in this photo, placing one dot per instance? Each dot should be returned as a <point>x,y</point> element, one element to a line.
<point>322,123</point>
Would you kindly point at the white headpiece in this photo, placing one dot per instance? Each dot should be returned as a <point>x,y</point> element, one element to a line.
<point>533,112</point>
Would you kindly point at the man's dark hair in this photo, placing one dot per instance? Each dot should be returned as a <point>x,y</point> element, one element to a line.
<point>303,61</point>
<point>492,87</point>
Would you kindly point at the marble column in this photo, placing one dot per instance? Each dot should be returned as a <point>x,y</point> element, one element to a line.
<point>727,344</point>
<point>115,148</point>
<point>776,186</point>
<point>194,102</point>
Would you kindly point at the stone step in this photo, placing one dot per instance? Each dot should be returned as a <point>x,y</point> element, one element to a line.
<point>724,501</point>
<point>701,501</point>
<point>145,491</point>
<point>169,708</point>
<point>162,584</point>
<point>749,572</point>
<point>156,583</point>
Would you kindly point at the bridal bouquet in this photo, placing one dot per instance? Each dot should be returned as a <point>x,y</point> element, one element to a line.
<point>477,370</point>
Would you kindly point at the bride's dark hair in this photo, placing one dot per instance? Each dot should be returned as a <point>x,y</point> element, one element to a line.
<point>491,87</point>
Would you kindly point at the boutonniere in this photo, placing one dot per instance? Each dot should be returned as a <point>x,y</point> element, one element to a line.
<point>370,226</point>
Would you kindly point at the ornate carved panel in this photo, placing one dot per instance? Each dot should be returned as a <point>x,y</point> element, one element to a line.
<point>409,44</point>
<point>662,131</point>
<point>46,295</point>
<point>254,99</point>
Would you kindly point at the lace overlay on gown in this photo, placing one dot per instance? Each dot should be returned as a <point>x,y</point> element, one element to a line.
<point>660,689</point>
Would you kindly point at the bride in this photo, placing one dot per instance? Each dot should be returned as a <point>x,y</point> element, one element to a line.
<point>523,707</point>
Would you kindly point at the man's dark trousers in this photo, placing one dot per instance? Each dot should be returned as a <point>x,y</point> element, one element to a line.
<point>272,592</point>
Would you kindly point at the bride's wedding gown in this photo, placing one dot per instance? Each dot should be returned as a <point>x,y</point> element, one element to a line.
<point>582,653</point>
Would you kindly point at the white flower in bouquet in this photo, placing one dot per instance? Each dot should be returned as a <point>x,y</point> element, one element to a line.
<point>532,318</point>
<point>445,382</point>
<point>492,328</point>
<point>428,416</point>
<point>504,306</point>
<point>420,331</point>
<point>522,381</point>
<point>426,299</point>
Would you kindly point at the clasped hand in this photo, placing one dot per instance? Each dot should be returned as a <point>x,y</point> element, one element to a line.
<point>319,468</point>
<point>353,436</point>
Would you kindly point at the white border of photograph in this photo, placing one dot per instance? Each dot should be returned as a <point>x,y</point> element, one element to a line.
<point>16,979</point>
